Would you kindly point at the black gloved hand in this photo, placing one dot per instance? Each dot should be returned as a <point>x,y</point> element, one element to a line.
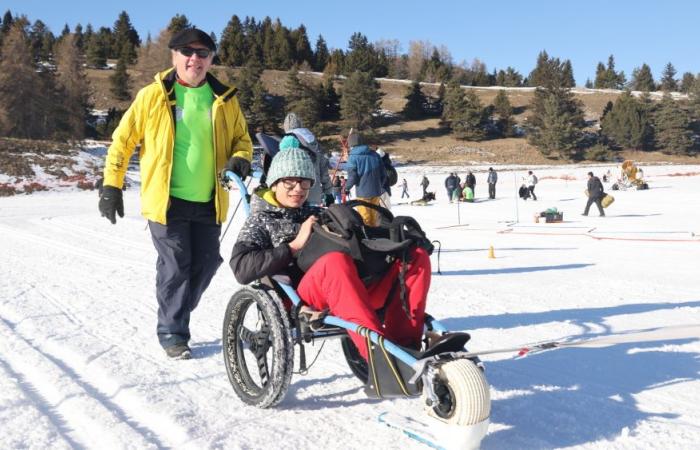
<point>239,166</point>
<point>111,202</point>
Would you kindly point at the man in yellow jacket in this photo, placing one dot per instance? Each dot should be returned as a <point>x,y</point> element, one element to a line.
<point>191,128</point>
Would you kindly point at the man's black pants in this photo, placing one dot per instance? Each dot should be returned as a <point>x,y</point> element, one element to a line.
<point>597,201</point>
<point>188,257</point>
<point>531,190</point>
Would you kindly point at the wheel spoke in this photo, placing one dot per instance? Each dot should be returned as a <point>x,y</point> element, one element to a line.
<point>247,338</point>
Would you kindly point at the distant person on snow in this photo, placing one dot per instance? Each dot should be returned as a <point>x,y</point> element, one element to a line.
<point>531,182</point>
<point>451,184</point>
<point>280,224</point>
<point>424,184</point>
<point>595,194</point>
<point>366,173</point>
<point>470,182</point>
<point>404,188</point>
<point>190,128</point>
<point>322,190</point>
<point>492,179</point>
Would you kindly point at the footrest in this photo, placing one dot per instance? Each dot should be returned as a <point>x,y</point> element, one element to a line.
<point>313,318</point>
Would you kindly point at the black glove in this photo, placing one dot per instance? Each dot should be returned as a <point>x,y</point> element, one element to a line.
<point>239,166</point>
<point>111,202</point>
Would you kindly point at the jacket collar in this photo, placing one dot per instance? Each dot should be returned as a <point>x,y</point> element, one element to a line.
<point>359,149</point>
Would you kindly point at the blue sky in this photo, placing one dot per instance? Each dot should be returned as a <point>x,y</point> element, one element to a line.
<point>501,33</point>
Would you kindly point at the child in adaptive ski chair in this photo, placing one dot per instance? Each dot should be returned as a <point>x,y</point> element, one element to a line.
<point>279,226</point>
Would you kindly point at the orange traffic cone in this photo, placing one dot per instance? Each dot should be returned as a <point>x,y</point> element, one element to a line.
<point>491,255</point>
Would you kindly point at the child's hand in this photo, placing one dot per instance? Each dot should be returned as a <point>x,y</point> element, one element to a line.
<point>302,235</point>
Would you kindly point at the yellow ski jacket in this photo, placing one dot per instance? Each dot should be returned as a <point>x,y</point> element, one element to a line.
<point>150,121</point>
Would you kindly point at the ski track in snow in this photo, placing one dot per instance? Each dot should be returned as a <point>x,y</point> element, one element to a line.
<point>80,366</point>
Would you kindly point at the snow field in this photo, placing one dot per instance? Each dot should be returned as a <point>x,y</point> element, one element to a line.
<point>80,365</point>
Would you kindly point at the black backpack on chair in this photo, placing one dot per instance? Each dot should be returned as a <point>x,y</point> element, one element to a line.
<point>373,249</point>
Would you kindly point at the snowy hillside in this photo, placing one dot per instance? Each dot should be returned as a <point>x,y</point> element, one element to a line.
<point>80,366</point>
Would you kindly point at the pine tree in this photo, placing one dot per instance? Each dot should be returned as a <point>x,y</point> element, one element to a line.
<point>627,123</point>
<point>79,38</point>
<point>551,73</point>
<point>302,99</point>
<point>589,84</point>
<point>294,90</point>
<point>441,95</point>
<point>509,78</point>
<point>87,35</point>
<point>687,82</point>
<point>119,80</point>
<point>567,75</point>
<point>601,77</point>
<point>613,79</point>
<point>26,111</point>
<point>302,47</point>
<point>454,103</point>
<point>95,52</point>
<point>470,124</point>
<point>415,101</point>
<point>232,49</point>
<point>268,39</point>
<point>694,99</point>
<point>321,54</point>
<point>281,56</point>
<point>672,126</point>
<point>668,80</point>
<point>504,111</point>
<point>360,100</point>
<point>642,79</point>
<point>65,32</point>
<point>7,21</point>
<point>125,39</point>
<point>607,77</point>
<point>329,100</point>
<point>361,56</point>
<point>178,23</point>
<point>245,82</point>
<point>41,41</point>
<point>262,115</point>
<point>336,63</point>
<point>75,89</point>
<point>556,122</point>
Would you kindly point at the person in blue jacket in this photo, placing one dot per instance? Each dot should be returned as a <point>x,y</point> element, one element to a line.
<point>366,173</point>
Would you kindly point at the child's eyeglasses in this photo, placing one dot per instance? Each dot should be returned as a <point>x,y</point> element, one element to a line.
<point>290,183</point>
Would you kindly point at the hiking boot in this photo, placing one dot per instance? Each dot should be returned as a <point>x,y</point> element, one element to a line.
<point>179,351</point>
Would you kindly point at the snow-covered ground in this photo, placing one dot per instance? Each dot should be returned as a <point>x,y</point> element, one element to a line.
<point>80,366</point>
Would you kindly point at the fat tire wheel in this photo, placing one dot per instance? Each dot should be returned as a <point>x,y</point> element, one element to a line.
<point>257,346</point>
<point>357,364</point>
<point>463,394</point>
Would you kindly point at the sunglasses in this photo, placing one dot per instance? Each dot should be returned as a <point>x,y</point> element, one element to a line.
<point>290,183</point>
<point>189,51</point>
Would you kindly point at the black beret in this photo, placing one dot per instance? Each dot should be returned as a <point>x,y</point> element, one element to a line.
<point>189,36</point>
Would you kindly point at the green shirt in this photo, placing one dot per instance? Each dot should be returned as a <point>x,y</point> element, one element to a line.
<point>193,175</point>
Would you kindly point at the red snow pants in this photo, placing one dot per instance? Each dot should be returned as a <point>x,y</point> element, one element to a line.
<point>333,283</point>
